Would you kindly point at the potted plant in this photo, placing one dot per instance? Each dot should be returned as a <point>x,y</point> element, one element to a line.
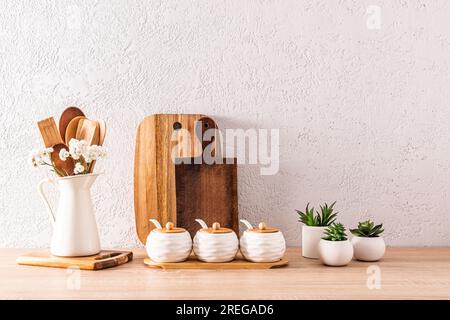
<point>335,249</point>
<point>367,242</point>
<point>313,228</point>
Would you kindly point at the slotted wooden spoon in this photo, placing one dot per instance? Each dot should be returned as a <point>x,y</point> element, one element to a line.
<point>49,132</point>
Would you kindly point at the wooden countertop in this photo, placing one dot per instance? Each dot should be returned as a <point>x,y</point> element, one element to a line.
<point>406,273</point>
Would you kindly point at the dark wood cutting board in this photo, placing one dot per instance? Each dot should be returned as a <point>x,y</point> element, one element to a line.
<point>208,192</point>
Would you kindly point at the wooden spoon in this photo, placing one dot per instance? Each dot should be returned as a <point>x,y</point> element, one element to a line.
<point>66,117</point>
<point>71,130</point>
<point>102,131</point>
<point>88,130</point>
<point>102,134</point>
<point>65,167</point>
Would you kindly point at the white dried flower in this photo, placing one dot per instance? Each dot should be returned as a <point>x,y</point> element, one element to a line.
<point>39,157</point>
<point>79,168</point>
<point>34,158</point>
<point>77,148</point>
<point>64,154</point>
<point>92,153</point>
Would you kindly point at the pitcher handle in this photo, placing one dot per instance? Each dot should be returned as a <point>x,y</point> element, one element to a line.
<point>40,190</point>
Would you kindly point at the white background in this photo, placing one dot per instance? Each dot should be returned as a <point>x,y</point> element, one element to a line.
<point>363,114</point>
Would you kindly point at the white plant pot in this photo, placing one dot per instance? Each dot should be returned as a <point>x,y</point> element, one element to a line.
<point>368,249</point>
<point>335,253</point>
<point>311,237</point>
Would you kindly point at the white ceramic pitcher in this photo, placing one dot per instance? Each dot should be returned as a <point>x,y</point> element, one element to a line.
<point>74,227</point>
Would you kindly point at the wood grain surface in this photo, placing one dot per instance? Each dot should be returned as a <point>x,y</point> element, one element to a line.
<point>207,192</point>
<point>405,273</point>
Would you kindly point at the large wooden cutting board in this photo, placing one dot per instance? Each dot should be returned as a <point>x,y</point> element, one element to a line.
<point>155,179</point>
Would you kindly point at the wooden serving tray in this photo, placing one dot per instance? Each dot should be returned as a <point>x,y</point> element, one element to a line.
<point>194,263</point>
<point>105,259</point>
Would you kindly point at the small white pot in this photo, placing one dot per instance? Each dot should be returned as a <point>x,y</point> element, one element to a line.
<point>168,244</point>
<point>335,253</point>
<point>215,244</point>
<point>262,244</point>
<point>311,237</point>
<point>368,249</point>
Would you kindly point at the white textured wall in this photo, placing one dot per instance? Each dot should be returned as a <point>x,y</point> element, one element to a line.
<point>363,114</point>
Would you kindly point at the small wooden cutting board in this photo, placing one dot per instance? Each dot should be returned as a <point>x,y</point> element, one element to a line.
<point>193,263</point>
<point>104,259</point>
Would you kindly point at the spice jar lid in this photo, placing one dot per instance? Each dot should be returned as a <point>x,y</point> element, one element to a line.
<point>216,229</point>
<point>263,228</point>
<point>170,228</point>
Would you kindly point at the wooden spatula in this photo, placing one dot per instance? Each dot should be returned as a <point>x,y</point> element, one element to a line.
<point>88,130</point>
<point>71,130</point>
<point>65,167</point>
<point>66,117</point>
<point>49,132</point>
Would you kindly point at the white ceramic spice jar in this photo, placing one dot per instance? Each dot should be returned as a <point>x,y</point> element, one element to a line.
<point>262,244</point>
<point>169,244</point>
<point>215,244</point>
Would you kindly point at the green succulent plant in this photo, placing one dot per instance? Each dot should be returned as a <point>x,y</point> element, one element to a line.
<point>367,229</point>
<point>323,219</point>
<point>335,232</point>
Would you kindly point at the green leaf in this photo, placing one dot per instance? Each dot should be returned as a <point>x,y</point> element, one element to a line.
<point>326,216</point>
<point>307,217</point>
<point>335,232</point>
<point>368,229</point>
